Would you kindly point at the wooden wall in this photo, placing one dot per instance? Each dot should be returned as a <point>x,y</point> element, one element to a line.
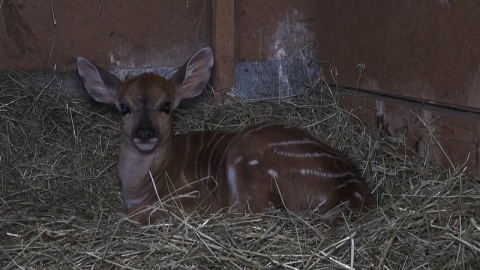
<point>415,64</point>
<point>274,46</point>
<point>422,51</point>
<point>47,35</point>
<point>260,46</point>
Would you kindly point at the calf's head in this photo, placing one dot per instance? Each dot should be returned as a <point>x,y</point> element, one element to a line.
<point>147,101</point>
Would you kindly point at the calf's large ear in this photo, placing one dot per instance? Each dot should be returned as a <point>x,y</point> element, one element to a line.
<point>101,85</point>
<point>193,76</point>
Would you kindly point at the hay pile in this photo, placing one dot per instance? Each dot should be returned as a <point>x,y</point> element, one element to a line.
<point>60,206</point>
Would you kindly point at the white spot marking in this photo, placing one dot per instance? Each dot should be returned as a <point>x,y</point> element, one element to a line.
<point>273,173</point>
<point>238,160</point>
<point>358,195</point>
<point>253,162</point>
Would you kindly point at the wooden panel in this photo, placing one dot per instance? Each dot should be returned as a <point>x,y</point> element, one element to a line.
<point>223,35</point>
<point>426,50</point>
<point>273,29</point>
<point>115,34</point>
<point>447,136</point>
<point>275,48</point>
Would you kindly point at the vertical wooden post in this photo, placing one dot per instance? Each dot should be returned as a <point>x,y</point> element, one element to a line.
<point>223,38</point>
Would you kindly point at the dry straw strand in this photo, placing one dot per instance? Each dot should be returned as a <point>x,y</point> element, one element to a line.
<point>61,207</point>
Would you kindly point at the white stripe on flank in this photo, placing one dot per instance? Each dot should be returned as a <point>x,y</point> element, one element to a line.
<point>223,158</point>
<point>212,153</point>
<point>232,181</point>
<point>264,125</point>
<point>304,171</point>
<point>185,160</point>
<point>202,135</point>
<point>183,177</point>
<point>302,155</point>
<point>205,152</point>
<point>352,180</point>
<point>295,142</point>
<point>279,145</point>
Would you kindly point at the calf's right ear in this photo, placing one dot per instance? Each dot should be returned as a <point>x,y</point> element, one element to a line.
<point>194,75</point>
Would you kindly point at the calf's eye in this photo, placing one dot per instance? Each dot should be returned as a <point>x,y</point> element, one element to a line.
<point>166,107</point>
<point>124,109</point>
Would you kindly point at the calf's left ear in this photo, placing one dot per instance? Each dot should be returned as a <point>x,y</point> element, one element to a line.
<point>193,76</point>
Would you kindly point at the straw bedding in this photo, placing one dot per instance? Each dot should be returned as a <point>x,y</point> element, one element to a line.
<point>61,207</point>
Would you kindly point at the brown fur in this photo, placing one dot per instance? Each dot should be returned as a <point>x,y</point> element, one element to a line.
<point>266,164</point>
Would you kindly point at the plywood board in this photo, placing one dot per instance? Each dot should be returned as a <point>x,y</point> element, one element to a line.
<point>424,50</point>
<point>223,39</point>
<point>445,136</point>
<point>48,35</point>
<point>273,29</point>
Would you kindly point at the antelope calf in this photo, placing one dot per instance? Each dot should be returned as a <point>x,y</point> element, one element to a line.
<point>265,165</point>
